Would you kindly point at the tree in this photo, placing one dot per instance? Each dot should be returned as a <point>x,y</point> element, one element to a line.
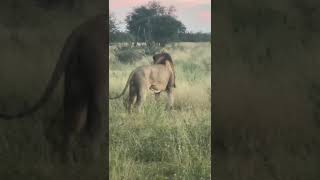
<point>166,29</point>
<point>115,35</point>
<point>113,29</point>
<point>195,37</point>
<point>153,22</point>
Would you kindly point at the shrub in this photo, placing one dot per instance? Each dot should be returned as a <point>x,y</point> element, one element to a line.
<point>128,54</point>
<point>151,49</point>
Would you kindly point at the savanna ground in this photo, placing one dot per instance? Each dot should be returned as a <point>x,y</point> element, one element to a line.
<point>157,144</point>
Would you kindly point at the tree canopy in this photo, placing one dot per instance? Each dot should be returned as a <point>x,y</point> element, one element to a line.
<point>113,29</point>
<point>154,22</point>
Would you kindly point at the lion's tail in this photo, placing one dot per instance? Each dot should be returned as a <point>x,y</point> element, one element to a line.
<point>56,75</point>
<point>125,88</point>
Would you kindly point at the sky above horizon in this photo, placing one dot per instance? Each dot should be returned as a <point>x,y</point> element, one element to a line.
<point>194,14</point>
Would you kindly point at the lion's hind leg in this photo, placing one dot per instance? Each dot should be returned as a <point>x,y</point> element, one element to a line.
<point>132,97</point>
<point>75,120</point>
<point>93,132</point>
<point>141,95</point>
<point>170,98</point>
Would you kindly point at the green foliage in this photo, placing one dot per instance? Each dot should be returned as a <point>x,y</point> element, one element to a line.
<point>151,49</point>
<point>119,36</point>
<point>153,22</point>
<point>127,54</point>
<point>195,37</point>
<point>113,29</point>
<point>166,29</point>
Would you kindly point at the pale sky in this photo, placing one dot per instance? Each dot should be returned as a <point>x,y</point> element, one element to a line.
<point>194,14</point>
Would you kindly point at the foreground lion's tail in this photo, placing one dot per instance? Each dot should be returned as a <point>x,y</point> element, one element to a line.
<point>125,88</point>
<point>56,75</point>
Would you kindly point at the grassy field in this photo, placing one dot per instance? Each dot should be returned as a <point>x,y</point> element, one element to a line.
<point>157,144</point>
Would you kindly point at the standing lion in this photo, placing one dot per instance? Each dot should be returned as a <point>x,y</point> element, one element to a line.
<point>158,77</point>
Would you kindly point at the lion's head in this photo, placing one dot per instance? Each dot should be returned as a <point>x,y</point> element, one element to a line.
<point>161,58</point>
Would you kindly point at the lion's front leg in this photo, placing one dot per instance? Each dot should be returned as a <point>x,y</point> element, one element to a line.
<point>141,96</point>
<point>170,98</point>
<point>131,98</point>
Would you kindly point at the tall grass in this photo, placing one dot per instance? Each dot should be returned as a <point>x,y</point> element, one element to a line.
<point>263,128</point>
<point>157,144</point>
<point>264,116</point>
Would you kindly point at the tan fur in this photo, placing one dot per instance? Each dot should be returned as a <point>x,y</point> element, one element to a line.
<point>155,77</point>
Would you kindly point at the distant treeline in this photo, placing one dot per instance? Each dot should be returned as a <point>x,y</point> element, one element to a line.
<point>182,37</point>
<point>153,23</point>
<point>195,37</point>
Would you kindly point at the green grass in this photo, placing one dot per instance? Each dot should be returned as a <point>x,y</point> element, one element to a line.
<point>157,144</point>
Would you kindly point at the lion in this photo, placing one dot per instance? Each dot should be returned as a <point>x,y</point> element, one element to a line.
<point>83,63</point>
<point>158,77</point>
<point>161,58</point>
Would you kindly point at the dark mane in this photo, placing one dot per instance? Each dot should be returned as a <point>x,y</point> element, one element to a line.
<point>161,58</point>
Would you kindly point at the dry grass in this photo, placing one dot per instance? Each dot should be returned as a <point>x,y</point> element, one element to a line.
<point>157,144</point>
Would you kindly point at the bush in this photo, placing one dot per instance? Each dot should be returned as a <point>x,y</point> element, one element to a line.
<point>152,49</point>
<point>128,54</point>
